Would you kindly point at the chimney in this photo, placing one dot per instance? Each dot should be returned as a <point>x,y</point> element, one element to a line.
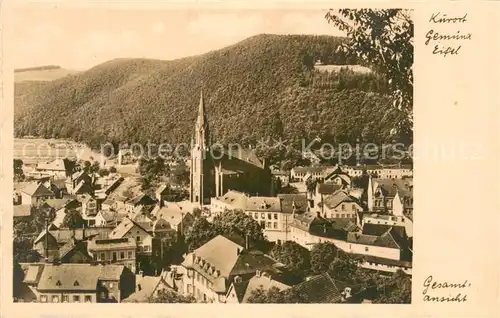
<point>139,287</point>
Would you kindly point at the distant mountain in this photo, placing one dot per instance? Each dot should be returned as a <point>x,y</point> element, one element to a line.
<point>41,73</point>
<point>263,86</point>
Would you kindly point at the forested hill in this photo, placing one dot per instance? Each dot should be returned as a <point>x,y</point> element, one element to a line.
<point>263,86</point>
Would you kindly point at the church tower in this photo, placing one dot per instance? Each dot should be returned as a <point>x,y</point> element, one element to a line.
<point>201,167</point>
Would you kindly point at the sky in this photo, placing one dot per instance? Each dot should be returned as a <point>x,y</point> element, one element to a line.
<point>79,38</point>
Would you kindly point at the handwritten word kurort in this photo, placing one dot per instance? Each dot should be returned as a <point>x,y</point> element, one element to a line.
<point>437,38</point>
<point>434,286</point>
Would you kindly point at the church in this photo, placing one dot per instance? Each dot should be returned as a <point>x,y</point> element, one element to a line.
<point>215,171</point>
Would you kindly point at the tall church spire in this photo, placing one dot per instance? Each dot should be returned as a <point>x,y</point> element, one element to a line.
<point>202,132</point>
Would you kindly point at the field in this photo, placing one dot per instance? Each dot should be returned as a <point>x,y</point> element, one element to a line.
<point>42,75</point>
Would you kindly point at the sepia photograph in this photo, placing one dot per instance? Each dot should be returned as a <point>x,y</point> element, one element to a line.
<point>213,156</point>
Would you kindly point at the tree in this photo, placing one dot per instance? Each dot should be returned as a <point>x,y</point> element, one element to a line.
<point>103,172</point>
<point>73,220</point>
<point>343,268</point>
<point>396,291</point>
<point>17,279</point>
<point>199,233</point>
<point>274,296</point>
<point>295,257</point>
<point>18,170</point>
<point>23,250</point>
<point>322,255</point>
<point>236,222</point>
<point>112,170</point>
<point>383,38</point>
<point>170,296</point>
<point>311,185</point>
<point>94,168</point>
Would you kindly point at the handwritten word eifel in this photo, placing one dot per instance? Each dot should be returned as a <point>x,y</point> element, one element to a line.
<point>453,40</point>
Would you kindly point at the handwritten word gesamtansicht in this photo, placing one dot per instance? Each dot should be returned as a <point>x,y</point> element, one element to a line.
<point>435,291</point>
<point>437,38</point>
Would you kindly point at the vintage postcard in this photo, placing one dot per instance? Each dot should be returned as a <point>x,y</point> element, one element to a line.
<point>208,154</point>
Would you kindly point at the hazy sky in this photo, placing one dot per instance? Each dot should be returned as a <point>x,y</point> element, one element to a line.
<point>79,38</point>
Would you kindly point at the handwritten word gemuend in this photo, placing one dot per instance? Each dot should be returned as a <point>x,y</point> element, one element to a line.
<point>436,38</point>
<point>436,286</point>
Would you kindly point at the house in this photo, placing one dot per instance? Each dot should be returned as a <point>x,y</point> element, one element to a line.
<point>381,194</point>
<point>35,193</point>
<point>161,194</point>
<point>125,157</point>
<point>139,200</point>
<point>209,270</point>
<point>317,173</point>
<point>57,204</point>
<point>74,251</point>
<point>324,189</point>
<point>129,229</point>
<point>231,200</point>
<point>282,176</point>
<point>75,179</point>
<point>22,211</point>
<point>114,251</point>
<point>84,283</point>
<point>108,218</point>
<point>340,205</point>
<point>384,245</point>
<point>107,205</point>
<point>240,291</point>
<point>146,288</point>
<point>267,212</point>
<point>59,168</point>
<point>323,289</point>
<point>56,186</point>
<point>309,229</point>
<point>178,218</point>
<point>89,205</point>
<point>338,177</point>
<point>398,171</point>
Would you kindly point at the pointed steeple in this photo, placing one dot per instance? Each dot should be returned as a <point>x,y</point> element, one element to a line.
<point>202,132</point>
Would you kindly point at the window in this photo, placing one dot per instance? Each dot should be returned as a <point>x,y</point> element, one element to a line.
<point>114,256</point>
<point>366,249</point>
<point>269,216</point>
<point>122,255</point>
<point>110,285</point>
<point>43,298</point>
<point>262,224</point>
<point>138,238</point>
<point>103,256</point>
<point>76,299</point>
<point>342,207</point>
<point>146,248</point>
<point>275,225</point>
<point>353,207</point>
<point>88,299</point>
<point>129,254</point>
<point>275,216</point>
<point>262,215</point>
<point>65,299</point>
<point>256,215</point>
<point>343,216</point>
<point>268,225</point>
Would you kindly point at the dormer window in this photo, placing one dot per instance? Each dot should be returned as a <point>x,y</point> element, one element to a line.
<point>58,283</point>
<point>76,283</point>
